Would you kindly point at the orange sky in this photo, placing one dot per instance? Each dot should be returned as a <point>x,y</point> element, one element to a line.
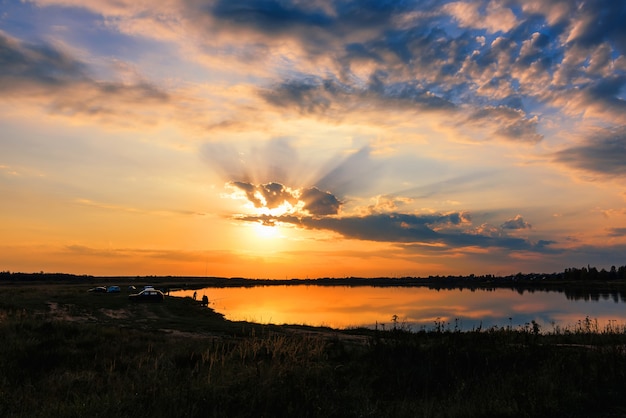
<point>311,139</point>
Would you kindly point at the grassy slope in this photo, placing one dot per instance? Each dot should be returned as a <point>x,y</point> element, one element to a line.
<point>66,352</point>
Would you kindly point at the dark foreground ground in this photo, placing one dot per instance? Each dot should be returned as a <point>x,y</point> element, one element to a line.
<point>67,352</point>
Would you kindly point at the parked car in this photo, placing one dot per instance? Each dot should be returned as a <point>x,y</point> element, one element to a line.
<point>98,289</point>
<point>147,295</point>
<point>113,289</point>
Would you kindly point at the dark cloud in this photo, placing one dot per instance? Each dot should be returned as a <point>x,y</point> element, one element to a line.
<point>456,241</point>
<point>605,91</point>
<point>250,191</point>
<point>419,68</point>
<point>315,26</point>
<point>377,227</point>
<point>617,232</point>
<point>269,195</point>
<point>500,48</point>
<point>37,63</point>
<point>272,195</point>
<point>42,70</point>
<point>309,94</point>
<point>317,202</point>
<point>604,154</point>
<point>533,50</point>
<point>521,129</point>
<point>275,194</point>
<point>599,21</point>
<point>425,55</point>
<point>359,52</point>
<point>516,223</point>
<point>408,229</point>
<point>378,38</point>
<point>270,16</point>
<point>273,17</point>
<point>509,123</point>
<point>600,95</point>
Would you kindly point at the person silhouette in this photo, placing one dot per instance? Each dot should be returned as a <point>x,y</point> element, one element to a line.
<point>194,295</point>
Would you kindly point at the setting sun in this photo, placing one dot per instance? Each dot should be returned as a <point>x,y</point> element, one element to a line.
<point>266,231</point>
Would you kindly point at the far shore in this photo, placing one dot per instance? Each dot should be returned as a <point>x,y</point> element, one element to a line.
<point>583,279</point>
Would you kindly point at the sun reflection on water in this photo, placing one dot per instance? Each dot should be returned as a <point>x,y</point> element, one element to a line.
<point>410,307</point>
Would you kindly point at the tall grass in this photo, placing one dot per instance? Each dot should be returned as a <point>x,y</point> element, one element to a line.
<point>102,368</point>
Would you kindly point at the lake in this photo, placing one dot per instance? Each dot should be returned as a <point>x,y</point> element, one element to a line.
<point>414,308</point>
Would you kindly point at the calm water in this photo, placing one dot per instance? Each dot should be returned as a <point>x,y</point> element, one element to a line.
<point>415,307</point>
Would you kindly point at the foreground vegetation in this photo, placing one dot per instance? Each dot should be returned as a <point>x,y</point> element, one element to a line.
<point>67,352</point>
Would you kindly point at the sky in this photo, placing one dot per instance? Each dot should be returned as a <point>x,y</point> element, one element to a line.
<point>317,138</point>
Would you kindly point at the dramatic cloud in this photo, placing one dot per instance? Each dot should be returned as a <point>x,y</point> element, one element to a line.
<point>317,202</point>
<point>39,64</point>
<point>274,195</point>
<point>603,154</point>
<point>508,123</point>
<point>411,229</point>
<point>65,86</point>
<point>320,96</point>
<point>482,61</point>
<point>598,21</point>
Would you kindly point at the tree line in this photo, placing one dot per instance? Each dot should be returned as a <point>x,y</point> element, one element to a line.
<point>571,274</point>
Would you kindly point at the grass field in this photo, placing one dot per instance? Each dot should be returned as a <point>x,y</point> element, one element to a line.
<point>66,352</point>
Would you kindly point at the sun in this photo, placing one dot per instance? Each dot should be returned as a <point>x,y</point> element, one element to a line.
<point>266,231</point>
<point>262,240</point>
